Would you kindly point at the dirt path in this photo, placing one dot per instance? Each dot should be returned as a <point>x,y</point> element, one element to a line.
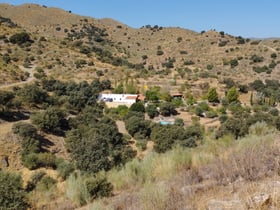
<point>28,80</point>
<point>140,154</point>
<point>272,49</point>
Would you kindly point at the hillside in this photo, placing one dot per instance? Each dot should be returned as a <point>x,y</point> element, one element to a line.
<point>206,136</point>
<point>152,50</point>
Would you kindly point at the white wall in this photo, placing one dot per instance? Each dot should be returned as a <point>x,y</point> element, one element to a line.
<point>117,97</point>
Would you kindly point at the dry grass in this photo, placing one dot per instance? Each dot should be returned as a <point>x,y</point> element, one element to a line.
<point>225,174</point>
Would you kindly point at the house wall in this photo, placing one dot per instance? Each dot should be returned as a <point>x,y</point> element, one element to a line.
<point>121,98</point>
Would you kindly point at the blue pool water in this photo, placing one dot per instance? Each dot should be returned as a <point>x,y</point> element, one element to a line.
<point>165,123</point>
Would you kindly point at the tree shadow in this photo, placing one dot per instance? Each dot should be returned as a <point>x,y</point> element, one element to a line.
<point>14,116</point>
<point>44,143</point>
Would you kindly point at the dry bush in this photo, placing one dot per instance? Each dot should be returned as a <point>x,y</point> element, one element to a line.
<point>253,158</point>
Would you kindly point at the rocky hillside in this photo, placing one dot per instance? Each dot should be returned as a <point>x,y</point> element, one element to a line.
<point>84,45</point>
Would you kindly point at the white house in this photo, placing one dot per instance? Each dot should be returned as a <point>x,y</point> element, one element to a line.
<point>118,98</point>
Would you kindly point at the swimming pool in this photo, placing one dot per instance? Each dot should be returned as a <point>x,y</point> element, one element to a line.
<point>165,123</point>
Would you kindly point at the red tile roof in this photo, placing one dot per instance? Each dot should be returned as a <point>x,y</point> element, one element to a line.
<point>131,97</point>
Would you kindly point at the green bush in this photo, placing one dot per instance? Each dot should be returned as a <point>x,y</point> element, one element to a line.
<point>233,63</point>
<point>64,168</point>
<point>137,107</point>
<point>32,94</point>
<point>51,120</point>
<point>37,160</point>
<point>12,194</point>
<point>24,130</point>
<point>141,144</point>
<point>273,55</point>
<point>82,189</point>
<point>167,109</point>
<point>232,95</point>
<point>160,52</point>
<point>6,99</point>
<point>98,187</point>
<point>20,38</point>
<point>46,183</point>
<point>212,95</point>
<point>152,111</point>
<point>135,125</point>
<point>257,59</point>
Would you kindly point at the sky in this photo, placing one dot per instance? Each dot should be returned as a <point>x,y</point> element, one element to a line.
<point>246,18</point>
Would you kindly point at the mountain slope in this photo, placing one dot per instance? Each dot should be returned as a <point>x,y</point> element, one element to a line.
<point>154,49</point>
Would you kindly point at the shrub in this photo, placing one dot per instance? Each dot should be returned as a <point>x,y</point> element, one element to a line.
<point>243,88</point>
<point>152,111</point>
<point>136,125</point>
<point>82,189</point>
<point>35,178</point>
<point>260,69</point>
<point>212,95</point>
<point>233,63</point>
<point>51,120</point>
<point>222,43</point>
<point>232,95</point>
<point>46,183</point>
<point>167,109</point>
<point>137,107</point>
<point>6,98</point>
<point>64,168</point>
<point>37,160</point>
<point>257,59</point>
<point>98,187</point>
<point>188,62</point>
<point>160,52</point>
<point>12,193</point>
<point>229,82</point>
<point>257,85</point>
<point>141,144</point>
<point>273,55</point>
<point>209,67</point>
<point>211,114</point>
<point>20,38</point>
<point>24,130</point>
<point>32,94</point>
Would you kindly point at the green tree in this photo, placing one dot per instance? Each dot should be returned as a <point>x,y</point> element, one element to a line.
<point>137,107</point>
<point>153,94</point>
<point>20,38</point>
<point>98,186</point>
<point>6,98</point>
<point>90,150</point>
<point>257,85</point>
<point>137,125</point>
<point>24,130</point>
<point>97,146</point>
<point>167,109</point>
<point>152,111</point>
<point>33,95</point>
<point>51,120</point>
<point>12,194</point>
<point>165,95</point>
<point>232,95</point>
<point>212,95</point>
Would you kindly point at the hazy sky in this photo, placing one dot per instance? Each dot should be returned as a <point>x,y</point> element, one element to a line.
<point>247,18</point>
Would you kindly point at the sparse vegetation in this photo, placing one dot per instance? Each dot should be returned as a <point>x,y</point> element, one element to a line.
<point>209,122</point>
